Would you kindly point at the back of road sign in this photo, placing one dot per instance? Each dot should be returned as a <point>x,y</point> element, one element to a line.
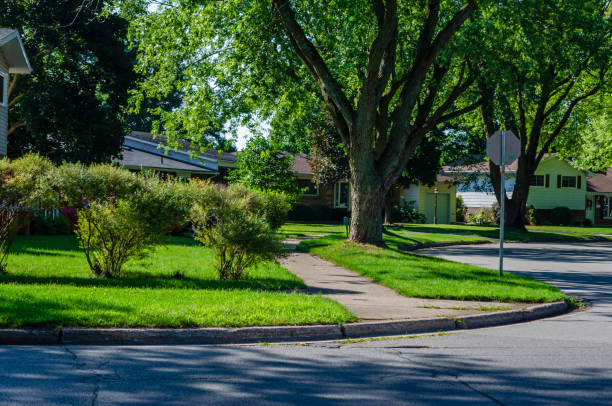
<point>513,147</point>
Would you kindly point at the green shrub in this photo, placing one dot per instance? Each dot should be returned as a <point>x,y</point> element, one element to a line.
<point>396,214</point>
<point>233,222</point>
<point>118,225</point>
<point>80,184</point>
<point>274,206</point>
<point>26,182</point>
<point>532,216</point>
<point>460,210</point>
<point>407,213</point>
<point>7,234</point>
<point>587,222</point>
<point>561,216</point>
<point>490,215</point>
<point>25,185</point>
<point>110,234</point>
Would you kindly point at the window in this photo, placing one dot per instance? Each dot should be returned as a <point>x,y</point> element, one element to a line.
<point>568,181</point>
<point>341,195</point>
<point>607,207</point>
<point>4,79</point>
<point>536,180</point>
<point>311,187</point>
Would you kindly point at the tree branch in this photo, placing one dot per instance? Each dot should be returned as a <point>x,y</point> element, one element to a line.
<point>460,112</point>
<point>560,100</point>
<point>14,127</point>
<point>12,86</point>
<point>426,53</point>
<point>332,92</point>
<point>565,118</point>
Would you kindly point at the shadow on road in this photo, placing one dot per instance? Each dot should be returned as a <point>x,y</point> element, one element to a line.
<point>280,375</point>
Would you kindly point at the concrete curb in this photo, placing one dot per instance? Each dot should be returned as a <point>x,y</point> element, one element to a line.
<point>160,336</point>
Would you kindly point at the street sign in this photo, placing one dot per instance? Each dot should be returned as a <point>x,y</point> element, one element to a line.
<point>513,147</point>
<point>503,148</point>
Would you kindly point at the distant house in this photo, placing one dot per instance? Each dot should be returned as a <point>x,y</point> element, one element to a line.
<point>599,198</point>
<point>555,183</point>
<point>438,201</point>
<point>13,60</point>
<point>142,150</point>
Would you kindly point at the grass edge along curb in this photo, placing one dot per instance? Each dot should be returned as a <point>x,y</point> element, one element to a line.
<point>156,336</point>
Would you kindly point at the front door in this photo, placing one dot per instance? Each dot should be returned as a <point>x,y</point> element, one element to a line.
<point>589,211</point>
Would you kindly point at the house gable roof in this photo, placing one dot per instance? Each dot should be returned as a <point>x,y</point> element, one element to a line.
<point>601,182</point>
<point>184,146</point>
<point>14,53</point>
<point>223,159</point>
<point>475,165</point>
<point>135,158</point>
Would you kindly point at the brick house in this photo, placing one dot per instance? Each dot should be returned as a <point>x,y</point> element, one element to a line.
<point>13,60</point>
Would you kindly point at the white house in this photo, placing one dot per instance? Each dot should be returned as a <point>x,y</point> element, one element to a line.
<point>13,60</point>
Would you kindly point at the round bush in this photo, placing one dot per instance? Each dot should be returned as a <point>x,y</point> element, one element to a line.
<point>561,216</point>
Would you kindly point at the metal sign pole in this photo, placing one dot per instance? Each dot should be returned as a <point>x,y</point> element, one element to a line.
<point>502,201</point>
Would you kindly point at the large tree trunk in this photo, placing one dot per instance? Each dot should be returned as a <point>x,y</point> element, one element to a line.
<point>367,199</point>
<point>380,139</point>
<point>515,208</point>
<point>515,217</point>
<point>390,201</point>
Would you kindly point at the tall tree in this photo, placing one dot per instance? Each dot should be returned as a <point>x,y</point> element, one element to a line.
<point>588,143</point>
<point>330,163</point>
<point>387,71</point>
<point>72,107</point>
<point>539,61</point>
<point>262,166</point>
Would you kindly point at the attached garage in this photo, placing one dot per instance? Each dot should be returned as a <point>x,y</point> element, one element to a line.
<point>423,198</point>
<point>437,210</point>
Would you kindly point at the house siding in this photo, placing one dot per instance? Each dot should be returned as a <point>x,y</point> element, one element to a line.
<point>547,198</point>
<point>3,114</point>
<point>411,194</point>
<point>478,193</point>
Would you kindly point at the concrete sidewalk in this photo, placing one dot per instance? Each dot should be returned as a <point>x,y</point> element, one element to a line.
<point>371,301</point>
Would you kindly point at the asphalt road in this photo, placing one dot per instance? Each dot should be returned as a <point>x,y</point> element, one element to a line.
<point>565,360</point>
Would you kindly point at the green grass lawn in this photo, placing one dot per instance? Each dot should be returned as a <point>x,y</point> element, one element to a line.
<point>48,283</point>
<point>427,233</point>
<point>593,230</point>
<point>534,233</point>
<point>395,237</point>
<point>416,275</point>
<point>422,276</point>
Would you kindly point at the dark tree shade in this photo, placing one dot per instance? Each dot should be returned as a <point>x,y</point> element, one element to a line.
<point>72,106</point>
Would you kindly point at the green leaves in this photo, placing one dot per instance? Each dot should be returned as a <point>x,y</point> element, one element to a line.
<point>73,105</point>
<point>261,166</point>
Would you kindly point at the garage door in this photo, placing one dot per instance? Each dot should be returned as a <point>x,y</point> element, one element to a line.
<point>443,207</point>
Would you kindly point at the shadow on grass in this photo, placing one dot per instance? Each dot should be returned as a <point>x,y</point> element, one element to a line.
<point>509,234</point>
<point>144,280</point>
<point>31,310</point>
